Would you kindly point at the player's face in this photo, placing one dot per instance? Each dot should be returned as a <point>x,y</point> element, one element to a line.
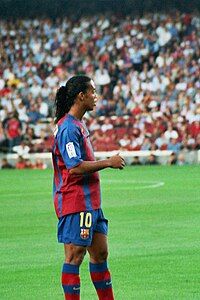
<point>90,96</point>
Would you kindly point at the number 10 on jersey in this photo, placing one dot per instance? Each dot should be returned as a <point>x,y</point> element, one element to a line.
<point>85,219</point>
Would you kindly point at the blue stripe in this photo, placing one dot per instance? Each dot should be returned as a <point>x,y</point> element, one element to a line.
<point>58,189</point>
<point>86,191</point>
<point>98,267</point>
<point>72,289</point>
<point>102,284</point>
<point>70,269</point>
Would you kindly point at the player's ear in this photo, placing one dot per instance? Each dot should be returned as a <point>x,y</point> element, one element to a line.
<point>80,96</point>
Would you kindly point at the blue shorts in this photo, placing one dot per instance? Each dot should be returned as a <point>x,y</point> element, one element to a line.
<point>79,228</point>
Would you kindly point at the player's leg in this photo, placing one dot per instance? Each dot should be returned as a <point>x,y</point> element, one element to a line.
<point>99,271</point>
<point>70,274</point>
<point>75,249</point>
<point>98,250</point>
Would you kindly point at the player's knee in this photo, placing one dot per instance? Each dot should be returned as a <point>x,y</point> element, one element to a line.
<point>77,260</point>
<point>103,255</point>
<point>100,257</point>
<point>76,257</point>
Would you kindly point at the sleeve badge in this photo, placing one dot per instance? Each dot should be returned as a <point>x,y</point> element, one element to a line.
<point>71,150</point>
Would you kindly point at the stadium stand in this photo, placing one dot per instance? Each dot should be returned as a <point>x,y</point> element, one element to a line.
<point>147,71</point>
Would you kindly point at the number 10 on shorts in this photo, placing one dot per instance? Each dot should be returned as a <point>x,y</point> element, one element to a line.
<point>85,219</point>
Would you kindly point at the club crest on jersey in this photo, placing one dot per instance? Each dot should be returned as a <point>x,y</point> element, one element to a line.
<point>71,150</point>
<point>85,233</point>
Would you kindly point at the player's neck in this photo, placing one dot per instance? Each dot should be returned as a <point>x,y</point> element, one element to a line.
<point>76,112</point>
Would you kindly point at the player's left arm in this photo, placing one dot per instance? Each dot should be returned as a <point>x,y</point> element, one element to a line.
<point>115,162</point>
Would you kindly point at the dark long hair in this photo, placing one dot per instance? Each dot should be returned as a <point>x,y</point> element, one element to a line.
<point>66,95</point>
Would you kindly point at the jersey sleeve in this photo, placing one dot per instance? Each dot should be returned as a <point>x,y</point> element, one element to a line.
<point>69,146</point>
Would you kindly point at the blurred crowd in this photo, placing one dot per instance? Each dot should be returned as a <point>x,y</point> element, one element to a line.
<point>151,160</point>
<point>146,69</point>
<point>23,163</point>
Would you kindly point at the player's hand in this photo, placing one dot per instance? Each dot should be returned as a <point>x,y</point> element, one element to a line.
<point>117,162</point>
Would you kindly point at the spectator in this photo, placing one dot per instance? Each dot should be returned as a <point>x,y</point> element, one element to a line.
<point>42,107</point>
<point>28,164</point>
<point>5,164</point>
<point>39,165</point>
<point>170,133</point>
<point>146,145</point>
<point>21,149</point>
<point>161,142</point>
<point>136,161</point>
<point>174,145</point>
<point>181,159</point>
<point>125,142</point>
<point>34,114</point>
<point>3,141</point>
<point>101,76</point>
<point>13,131</point>
<point>107,125</point>
<point>172,159</point>
<point>151,160</point>
<point>21,163</point>
<point>22,112</point>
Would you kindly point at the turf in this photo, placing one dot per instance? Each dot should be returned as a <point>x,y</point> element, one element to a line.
<point>154,240</point>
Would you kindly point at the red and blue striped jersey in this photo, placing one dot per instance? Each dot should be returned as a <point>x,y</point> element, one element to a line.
<point>73,193</point>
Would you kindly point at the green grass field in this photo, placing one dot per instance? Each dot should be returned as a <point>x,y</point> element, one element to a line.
<point>154,234</point>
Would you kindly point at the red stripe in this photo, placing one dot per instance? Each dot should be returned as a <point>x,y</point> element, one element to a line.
<point>70,279</point>
<point>100,276</point>
<point>106,294</point>
<point>94,183</point>
<point>95,194</point>
<point>72,297</point>
<point>56,179</point>
<point>56,205</point>
<point>70,202</point>
<point>62,119</point>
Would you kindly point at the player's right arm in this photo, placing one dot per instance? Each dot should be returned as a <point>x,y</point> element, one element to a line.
<point>115,162</point>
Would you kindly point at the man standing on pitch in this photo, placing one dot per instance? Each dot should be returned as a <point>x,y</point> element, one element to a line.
<point>82,226</point>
